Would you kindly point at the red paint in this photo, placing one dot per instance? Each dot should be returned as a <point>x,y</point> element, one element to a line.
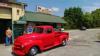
<point>43,40</point>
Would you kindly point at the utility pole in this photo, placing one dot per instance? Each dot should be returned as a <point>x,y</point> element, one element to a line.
<point>12,31</point>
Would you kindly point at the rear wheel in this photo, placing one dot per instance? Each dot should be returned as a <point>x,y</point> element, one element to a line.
<point>64,43</point>
<point>33,51</point>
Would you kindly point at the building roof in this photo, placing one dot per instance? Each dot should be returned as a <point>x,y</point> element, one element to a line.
<point>41,17</point>
<point>17,3</point>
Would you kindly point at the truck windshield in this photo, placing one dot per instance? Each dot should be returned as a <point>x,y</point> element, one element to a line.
<point>38,30</point>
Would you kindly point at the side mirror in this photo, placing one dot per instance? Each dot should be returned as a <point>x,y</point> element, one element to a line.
<point>62,29</point>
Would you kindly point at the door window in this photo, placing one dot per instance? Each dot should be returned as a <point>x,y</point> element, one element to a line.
<point>49,31</point>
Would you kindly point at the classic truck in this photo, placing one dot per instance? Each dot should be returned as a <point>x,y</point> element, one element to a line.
<point>42,38</point>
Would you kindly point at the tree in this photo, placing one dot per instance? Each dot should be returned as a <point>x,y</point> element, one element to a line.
<point>88,20</point>
<point>96,17</point>
<point>74,17</point>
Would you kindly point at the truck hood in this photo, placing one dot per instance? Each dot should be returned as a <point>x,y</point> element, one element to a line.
<point>27,37</point>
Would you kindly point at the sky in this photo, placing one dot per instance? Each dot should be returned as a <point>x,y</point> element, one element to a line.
<point>59,5</point>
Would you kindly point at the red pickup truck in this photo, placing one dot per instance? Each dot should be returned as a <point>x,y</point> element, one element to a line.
<point>42,38</point>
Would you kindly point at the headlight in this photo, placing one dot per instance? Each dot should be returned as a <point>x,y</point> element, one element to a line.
<point>22,46</point>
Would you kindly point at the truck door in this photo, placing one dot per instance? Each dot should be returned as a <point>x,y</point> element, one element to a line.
<point>49,37</point>
<point>57,38</point>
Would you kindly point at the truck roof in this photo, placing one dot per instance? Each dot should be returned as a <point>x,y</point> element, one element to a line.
<point>45,26</point>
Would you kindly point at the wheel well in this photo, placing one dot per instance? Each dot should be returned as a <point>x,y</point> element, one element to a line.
<point>31,48</point>
<point>63,39</point>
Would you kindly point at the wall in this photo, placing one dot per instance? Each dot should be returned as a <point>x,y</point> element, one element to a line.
<point>11,11</point>
<point>5,13</point>
<point>17,12</point>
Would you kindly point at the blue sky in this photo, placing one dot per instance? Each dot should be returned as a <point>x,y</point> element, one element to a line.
<point>60,5</point>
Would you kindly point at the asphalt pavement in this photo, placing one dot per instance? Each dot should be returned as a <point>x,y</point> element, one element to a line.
<point>81,43</point>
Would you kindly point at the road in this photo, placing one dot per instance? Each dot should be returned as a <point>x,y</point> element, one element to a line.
<point>81,43</point>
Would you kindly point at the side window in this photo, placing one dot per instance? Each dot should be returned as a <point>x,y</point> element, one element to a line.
<point>18,12</point>
<point>49,31</point>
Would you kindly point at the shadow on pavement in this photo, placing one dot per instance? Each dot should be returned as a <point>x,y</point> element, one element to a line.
<point>97,41</point>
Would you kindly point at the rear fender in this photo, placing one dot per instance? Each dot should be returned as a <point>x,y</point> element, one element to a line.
<point>64,37</point>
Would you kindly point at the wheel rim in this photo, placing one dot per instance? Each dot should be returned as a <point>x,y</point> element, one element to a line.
<point>33,51</point>
<point>64,42</point>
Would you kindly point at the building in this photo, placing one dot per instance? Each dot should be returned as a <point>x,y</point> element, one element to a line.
<point>10,11</point>
<point>43,16</point>
<point>36,19</point>
<point>45,10</point>
<point>13,15</point>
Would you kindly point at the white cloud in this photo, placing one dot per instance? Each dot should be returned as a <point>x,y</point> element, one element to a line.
<point>92,7</point>
<point>55,9</point>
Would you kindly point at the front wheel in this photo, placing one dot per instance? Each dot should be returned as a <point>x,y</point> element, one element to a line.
<point>33,51</point>
<point>64,43</point>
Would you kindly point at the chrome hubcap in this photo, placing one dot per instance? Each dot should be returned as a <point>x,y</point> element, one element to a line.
<point>33,51</point>
<point>64,43</point>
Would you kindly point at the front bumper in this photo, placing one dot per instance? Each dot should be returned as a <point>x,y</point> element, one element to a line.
<point>16,52</point>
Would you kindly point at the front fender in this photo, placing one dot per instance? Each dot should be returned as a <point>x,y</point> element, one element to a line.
<point>38,43</point>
